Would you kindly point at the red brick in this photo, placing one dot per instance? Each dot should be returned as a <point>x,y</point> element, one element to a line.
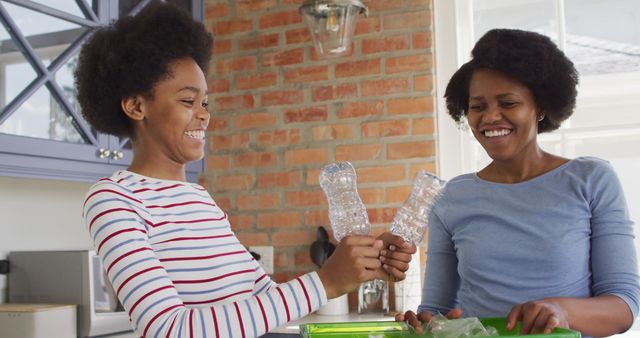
<point>233,182</point>
<point>385,128</point>
<point>420,149</point>
<point>223,202</point>
<point>234,102</point>
<point>218,85</point>
<point>277,98</point>
<point>281,260</point>
<point>305,156</point>
<point>360,109</point>
<point>258,202</point>
<point>368,25</point>
<point>385,86</point>
<point>256,159</point>
<point>303,258</point>
<point>251,238</point>
<point>216,11</point>
<point>293,2</point>
<point>256,42</point>
<point>255,120</point>
<point>423,83</point>
<point>397,195</point>
<point>358,68</point>
<point>306,74</point>
<point>259,80</point>
<point>381,5</point>
<point>313,177</point>
<point>283,58</point>
<point>422,40</point>
<point>316,217</point>
<point>299,35</point>
<point>371,196</point>
<point>341,91</point>
<point>279,220</point>
<point>226,142</point>
<point>407,20</point>
<point>332,132</point>
<point>221,46</point>
<point>279,179</point>
<point>428,166</point>
<point>381,174</point>
<point>203,181</point>
<point>232,26</point>
<point>280,19</point>
<point>244,63</point>
<point>305,198</point>
<point>241,221</point>
<point>385,44</point>
<point>419,105</point>
<point>219,162</point>
<point>410,63</point>
<point>250,6</point>
<point>358,152</point>
<point>381,215</point>
<point>423,126</point>
<point>293,238</point>
<point>278,138</point>
<point>218,123</point>
<point>310,114</point>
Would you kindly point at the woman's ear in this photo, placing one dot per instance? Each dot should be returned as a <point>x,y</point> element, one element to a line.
<point>132,108</point>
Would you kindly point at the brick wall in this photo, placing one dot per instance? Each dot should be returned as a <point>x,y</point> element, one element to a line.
<point>279,113</point>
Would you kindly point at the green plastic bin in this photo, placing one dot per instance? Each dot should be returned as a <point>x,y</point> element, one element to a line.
<point>399,329</point>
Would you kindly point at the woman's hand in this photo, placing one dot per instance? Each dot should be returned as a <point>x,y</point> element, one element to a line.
<point>424,317</point>
<point>354,261</point>
<point>538,316</point>
<point>396,255</point>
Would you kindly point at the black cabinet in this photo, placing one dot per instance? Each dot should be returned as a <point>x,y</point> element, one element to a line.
<point>42,133</point>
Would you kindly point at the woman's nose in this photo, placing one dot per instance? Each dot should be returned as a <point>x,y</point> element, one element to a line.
<point>492,114</point>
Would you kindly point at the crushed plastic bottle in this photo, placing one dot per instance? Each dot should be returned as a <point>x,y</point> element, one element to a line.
<point>412,217</point>
<point>347,213</point>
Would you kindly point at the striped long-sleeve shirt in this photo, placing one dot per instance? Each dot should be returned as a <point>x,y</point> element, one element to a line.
<point>177,267</point>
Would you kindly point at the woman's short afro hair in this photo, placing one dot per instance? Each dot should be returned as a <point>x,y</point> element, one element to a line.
<point>528,57</point>
<point>130,56</point>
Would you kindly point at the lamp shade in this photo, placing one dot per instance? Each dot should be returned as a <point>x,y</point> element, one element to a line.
<point>332,23</point>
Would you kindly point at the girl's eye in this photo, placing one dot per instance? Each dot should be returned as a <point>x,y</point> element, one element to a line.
<point>189,102</point>
<point>205,104</point>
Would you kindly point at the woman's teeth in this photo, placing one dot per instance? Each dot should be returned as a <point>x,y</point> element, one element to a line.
<point>494,133</point>
<point>199,134</point>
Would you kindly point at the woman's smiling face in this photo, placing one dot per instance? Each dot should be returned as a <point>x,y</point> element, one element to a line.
<point>176,117</point>
<point>502,115</point>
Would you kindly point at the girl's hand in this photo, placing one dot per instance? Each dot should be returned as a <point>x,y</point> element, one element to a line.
<point>538,316</point>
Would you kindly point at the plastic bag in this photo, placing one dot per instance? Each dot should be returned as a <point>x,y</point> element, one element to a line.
<point>441,327</point>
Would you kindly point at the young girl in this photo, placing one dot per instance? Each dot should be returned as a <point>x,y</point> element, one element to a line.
<point>168,249</point>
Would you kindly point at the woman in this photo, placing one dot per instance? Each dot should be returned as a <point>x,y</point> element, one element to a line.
<point>535,237</point>
<point>168,249</point>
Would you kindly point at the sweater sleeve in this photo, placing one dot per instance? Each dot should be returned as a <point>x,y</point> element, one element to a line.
<point>119,226</point>
<point>613,254</point>
<point>441,280</point>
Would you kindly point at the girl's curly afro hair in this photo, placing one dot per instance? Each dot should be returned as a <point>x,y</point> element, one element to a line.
<point>129,57</point>
<point>528,57</point>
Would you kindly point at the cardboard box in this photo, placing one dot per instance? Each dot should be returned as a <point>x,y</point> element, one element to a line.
<point>37,321</point>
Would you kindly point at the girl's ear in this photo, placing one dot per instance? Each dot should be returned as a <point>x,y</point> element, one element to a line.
<point>132,107</point>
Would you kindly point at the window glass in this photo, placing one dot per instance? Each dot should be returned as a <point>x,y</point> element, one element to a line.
<point>535,15</point>
<point>69,6</point>
<point>603,36</point>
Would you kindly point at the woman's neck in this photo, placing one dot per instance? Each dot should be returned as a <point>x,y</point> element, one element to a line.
<point>521,169</point>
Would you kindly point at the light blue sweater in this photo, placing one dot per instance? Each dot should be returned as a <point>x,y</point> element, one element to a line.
<point>566,233</point>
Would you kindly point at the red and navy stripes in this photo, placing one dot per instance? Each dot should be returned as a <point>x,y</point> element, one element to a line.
<point>179,269</point>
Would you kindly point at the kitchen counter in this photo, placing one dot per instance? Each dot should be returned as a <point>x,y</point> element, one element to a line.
<point>291,329</point>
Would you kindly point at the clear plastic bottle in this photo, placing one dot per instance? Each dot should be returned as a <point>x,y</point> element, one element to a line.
<point>412,217</point>
<point>347,213</point>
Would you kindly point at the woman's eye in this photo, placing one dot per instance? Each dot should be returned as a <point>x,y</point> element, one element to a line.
<point>475,107</point>
<point>508,104</point>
